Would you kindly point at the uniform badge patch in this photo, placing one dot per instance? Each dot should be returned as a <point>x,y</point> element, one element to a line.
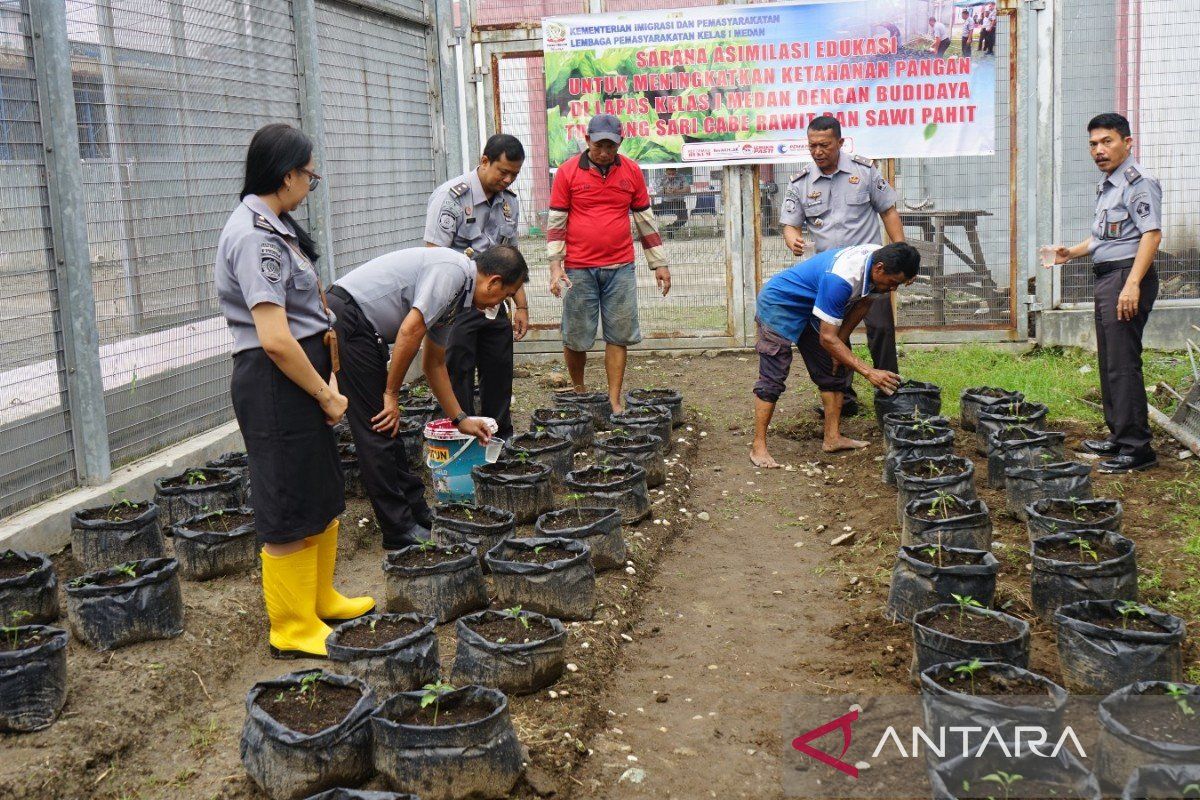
<point>854,179</point>
<point>814,195</point>
<point>1143,209</point>
<point>447,222</point>
<point>880,184</point>
<point>270,261</point>
<point>789,205</point>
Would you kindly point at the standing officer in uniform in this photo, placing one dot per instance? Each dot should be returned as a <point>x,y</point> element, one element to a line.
<point>469,214</point>
<point>841,198</point>
<point>285,396</point>
<point>1126,234</point>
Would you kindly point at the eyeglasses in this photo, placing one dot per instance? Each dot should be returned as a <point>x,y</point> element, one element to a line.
<point>313,178</point>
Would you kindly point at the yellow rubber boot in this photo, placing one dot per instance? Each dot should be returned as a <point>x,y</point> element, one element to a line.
<point>290,590</point>
<point>332,605</point>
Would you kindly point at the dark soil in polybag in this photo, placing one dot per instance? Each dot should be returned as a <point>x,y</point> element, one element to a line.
<point>909,442</point>
<point>947,520</point>
<point>105,536</point>
<point>28,589</point>
<point>195,490</point>
<point>564,588</point>
<point>1062,775</point>
<point>1082,565</point>
<point>912,396</point>
<point>237,462</point>
<point>598,528</point>
<point>444,582</point>
<point>391,652</point>
<point>670,399</point>
<point>478,757</point>
<point>520,487</point>
<point>1007,415</point>
<point>596,404</point>
<point>497,649</point>
<point>948,633</point>
<point>918,582</point>
<point>1148,723</point>
<point>621,486</point>
<point>644,420</point>
<point>932,477</point>
<point>323,740</point>
<point>1010,448</point>
<point>1070,480</point>
<point>481,527</point>
<point>110,609</point>
<point>33,677</point>
<point>1060,515</point>
<point>645,450</point>
<point>573,424</point>
<point>972,400</point>
<point>1100,649</point>
<point>216,543</point>
<point>912,419</point>
<point>545,448</point>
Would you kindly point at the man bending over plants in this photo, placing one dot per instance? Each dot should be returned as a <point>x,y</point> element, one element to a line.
<point>816,304</point>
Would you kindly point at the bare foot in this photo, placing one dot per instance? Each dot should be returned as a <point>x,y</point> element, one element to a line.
<point>760,458</point>
<point>842,443</point>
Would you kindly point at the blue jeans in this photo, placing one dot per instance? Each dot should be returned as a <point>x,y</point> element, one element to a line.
<point>601,294</point>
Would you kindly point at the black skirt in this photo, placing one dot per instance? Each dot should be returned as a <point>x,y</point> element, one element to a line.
<point>296,480</point>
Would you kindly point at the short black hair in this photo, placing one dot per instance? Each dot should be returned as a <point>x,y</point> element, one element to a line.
<point>897,258</point>
<point>501,144</point>
<point>1111,121</point>
<point>826,123</point>
<point>506,261</point>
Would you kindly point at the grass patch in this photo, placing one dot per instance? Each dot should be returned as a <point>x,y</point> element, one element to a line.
<point>1045,375</point>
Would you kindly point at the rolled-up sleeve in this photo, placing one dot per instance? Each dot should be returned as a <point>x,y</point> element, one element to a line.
<point>261,265</point>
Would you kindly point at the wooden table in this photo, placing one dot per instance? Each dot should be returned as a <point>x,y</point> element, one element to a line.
<point>934,227</point>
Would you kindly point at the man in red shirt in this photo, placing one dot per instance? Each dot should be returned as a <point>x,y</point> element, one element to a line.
<point>588,235</point>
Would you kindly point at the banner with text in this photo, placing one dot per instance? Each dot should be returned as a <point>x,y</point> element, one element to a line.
<point>739,84</point>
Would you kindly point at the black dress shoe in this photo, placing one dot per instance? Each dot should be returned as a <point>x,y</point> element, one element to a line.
<point>1101,447</point>
<point>416,534</point>
<point>1128,462</point>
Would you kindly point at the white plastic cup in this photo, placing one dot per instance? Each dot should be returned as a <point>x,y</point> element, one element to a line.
<point>1047,253</point>
<point>491,451</point>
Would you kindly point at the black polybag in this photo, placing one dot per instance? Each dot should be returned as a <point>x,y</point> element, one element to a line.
<point>35,592</point>
<point>411,435</point>
<point>360,794</point>
<point>960,481</point>
<point>1124,747</point>
<point>628,494</point>
<point>961,777</point>
<point>573,424</point>
<point>595,404</point>
<point>401,665</point>
<point>1070,480</point>
<point>446,590</point>
<point>33,681</point>
<point>645,450</point>
<point>980,397</point>
<point>490,526</point>
<point>478,759</point>
<point>1160,780</point>
<point>526,496</point>
<point>1049,516</point>
<point>924,398</point>
<point>910,441</point>
<point>892,421</point>
<point>1009,448</point>
<point>669,399</point>
<point>511,667</point>
<point>102,543</point>
<point>972,529</point>
<point>142,609</point>
<point>600,530</point>
<point>932,646</point>
<point>1007,415</point>
<point>1059,583</point>
<point>351,471</point>
<point>238,462</point>
<point>205,554</point>
<point>289,765</point>
<point>565,589</point>
<point>917,585</point>
<point>1098,660</point>
<point>649,420</point>
<point>545,448</point>
<point>222,489</point>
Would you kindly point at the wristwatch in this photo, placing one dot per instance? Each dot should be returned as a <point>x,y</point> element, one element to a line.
<point>458,419</point>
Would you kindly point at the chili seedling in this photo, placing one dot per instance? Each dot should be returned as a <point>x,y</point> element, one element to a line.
<point>1127,608</point>
<point>120,501</point>
<point>964,602</point>
<point>933,551</point>
<point>942,503</point>
<point>425,545</point>
<point>1180,695</point>
<point>574,498</point>
<point>433,696</point>
<point>128,569</point>
<point>1006,781</point>
<point>308,686</point>
<point>1191,790</point>
<point>969,669</point>
<point>515,613</point>
<point>196,476</point>
<point>1077,510</point>
<point>1085,548</point>
<point>10,631</point>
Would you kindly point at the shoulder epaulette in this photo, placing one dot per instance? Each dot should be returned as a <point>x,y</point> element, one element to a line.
<point>458,190</point>
<point>1132,175</point>
<point>801,173</point>
<point>262,222</point>
<point>866,162</point>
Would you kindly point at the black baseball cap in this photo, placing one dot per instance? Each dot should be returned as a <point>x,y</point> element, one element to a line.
<point>605,127</point>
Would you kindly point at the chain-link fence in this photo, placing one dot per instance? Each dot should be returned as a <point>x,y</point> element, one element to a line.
<point>1138,59</point>
<point>167,94</point>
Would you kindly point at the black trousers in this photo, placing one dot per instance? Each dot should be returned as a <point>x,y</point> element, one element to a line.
<point>479,344</point>
<point>1119,351</point>
<point>881,340</point>
<point>397,495</point>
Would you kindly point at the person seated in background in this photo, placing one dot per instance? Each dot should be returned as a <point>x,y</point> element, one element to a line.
<point>816,304</point>
<point>672,190</point>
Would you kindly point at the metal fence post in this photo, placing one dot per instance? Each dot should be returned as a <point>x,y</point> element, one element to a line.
<point>312,119</point>
<point>68,221</point>
<point>449,45</point>
<point>1036,112</point>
